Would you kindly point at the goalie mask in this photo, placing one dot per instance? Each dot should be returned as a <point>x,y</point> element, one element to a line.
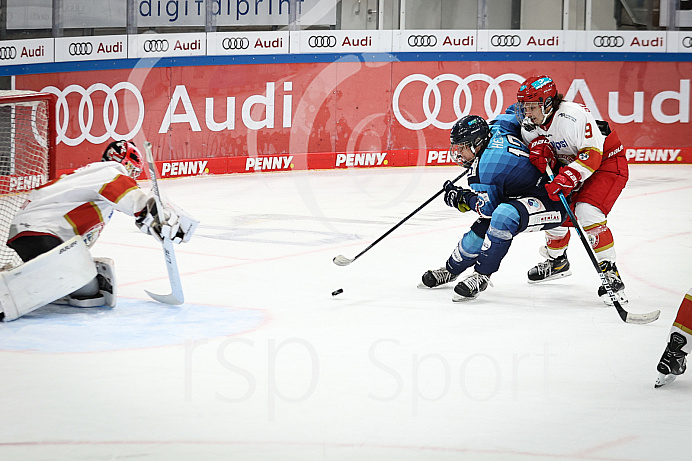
<point>126,153</point>
<point>535,100</point>
<point>469,138</point>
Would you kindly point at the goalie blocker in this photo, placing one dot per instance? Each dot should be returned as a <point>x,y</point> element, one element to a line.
<point>42,280</point>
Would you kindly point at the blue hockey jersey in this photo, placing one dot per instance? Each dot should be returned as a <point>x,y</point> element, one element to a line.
<point>503,171</point>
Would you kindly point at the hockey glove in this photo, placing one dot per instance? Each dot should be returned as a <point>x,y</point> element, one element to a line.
<point>528,124</point>
<point>541,154</point>
<point>180,225</point>
<point>148,220</point>
<point>564,182</point>
<point>457,197</point>
<point>175,223</point>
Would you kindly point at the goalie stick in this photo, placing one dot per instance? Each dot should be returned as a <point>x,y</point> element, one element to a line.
<point>342,260</point>
<point>624,315</point>
<point>176,296</point>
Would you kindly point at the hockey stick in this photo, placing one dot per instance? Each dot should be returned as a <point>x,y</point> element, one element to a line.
<point>624,315</point>
<point>176,296</point>
<point>342,260</point>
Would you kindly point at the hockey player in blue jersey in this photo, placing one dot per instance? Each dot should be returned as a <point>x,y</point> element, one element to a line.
<point>506,191</point>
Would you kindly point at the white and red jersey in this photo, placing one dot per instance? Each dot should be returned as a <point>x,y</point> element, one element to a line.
<point>79,203</point>
<point>576,139</point>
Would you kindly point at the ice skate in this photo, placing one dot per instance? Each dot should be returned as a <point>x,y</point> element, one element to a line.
<point>471,287</point>
<point>615,283</point>
<point>87,296</point>
<point>673,362</point>
<point>550,269</point>
<point>437,277</point>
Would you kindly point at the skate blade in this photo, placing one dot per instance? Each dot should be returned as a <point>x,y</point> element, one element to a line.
<point>423,286</point>
<point>460,299</point>
<point>553,277</point>
<point>662,380</point>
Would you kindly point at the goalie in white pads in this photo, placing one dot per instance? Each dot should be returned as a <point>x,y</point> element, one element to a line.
<point>81,204</point>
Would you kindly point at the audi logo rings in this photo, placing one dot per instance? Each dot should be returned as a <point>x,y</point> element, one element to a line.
<point>80,49</point>
<point>505,40</point>
<point>322,41</point>
<point>235,43</point>
<point>432,89</point>
<point>155,45</point>
<point>112,113</point>
<point>422,40</point>
<point>7,52</point>
<point>687,42</point>
<point>608,41</point>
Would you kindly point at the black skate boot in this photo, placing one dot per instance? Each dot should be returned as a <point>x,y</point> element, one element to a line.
<point>471,287</point>
<point>550,269</point>
<point>674,360</point>
<point>615,283</point>
<point>437,277</point>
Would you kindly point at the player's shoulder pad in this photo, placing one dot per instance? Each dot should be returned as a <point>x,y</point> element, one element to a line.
<point>505,124</point>
<point>573,111</point>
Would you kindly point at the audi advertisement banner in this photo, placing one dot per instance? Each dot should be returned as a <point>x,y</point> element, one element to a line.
<point>348,113</point>
<point>626,41</point>
<point>341,41</point>
<point>244,43</point>
<point>33,51</point>
<point>91,48</point>
<point>149,45</point>
<point>525,40</point>
<point>431,40</point>
<point>164,45</point>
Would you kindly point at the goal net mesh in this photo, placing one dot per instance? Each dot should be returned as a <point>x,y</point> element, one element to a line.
<point>24,157</point>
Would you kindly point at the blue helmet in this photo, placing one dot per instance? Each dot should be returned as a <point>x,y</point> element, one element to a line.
<point>470,131</point>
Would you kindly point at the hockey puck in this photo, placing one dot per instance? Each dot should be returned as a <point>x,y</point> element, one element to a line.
<point>337,292</point>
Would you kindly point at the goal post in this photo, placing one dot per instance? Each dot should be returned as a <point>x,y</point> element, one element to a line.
<point>27,155</point>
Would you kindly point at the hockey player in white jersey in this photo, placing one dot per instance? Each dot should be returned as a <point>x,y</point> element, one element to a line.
<point>592,168</point>
<point>64,217</point>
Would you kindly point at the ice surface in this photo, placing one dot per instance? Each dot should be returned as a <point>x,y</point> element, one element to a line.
<point>263,363</point>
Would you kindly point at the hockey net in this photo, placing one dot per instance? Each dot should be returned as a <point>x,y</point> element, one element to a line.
<point>27,156</point>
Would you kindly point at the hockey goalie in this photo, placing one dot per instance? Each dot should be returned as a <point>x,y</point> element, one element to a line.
<point>60,220</point>
<point>674,359</point>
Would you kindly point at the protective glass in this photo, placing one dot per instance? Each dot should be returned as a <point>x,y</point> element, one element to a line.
<point>456,151</point>
<point>524,109</point>
<point>132,169</point>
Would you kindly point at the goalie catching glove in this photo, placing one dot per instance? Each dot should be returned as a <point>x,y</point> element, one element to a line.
<point>457,197</point>
<point>173,223</point>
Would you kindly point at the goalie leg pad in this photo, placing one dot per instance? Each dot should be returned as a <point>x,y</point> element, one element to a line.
<point>45,278</point>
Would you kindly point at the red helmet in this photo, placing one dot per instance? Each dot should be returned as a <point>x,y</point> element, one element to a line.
<point>541,90</point>
<point>126,153</point>
<point>537,89</point>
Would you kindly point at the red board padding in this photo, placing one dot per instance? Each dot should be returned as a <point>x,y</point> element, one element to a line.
<point>337,114</point>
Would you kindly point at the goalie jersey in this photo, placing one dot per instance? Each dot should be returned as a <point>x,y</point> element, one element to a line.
<point>503,171</point>
<point>80,203</point>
